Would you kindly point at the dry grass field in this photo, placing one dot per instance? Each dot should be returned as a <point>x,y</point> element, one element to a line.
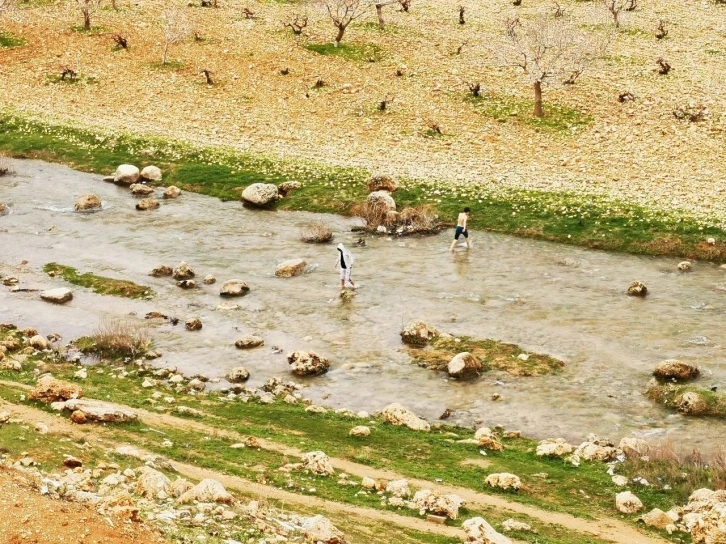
<point>636,152</point>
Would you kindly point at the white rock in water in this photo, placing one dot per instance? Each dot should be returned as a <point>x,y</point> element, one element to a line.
<point>260,194</point>
<point>57,296</point>
<point>290,268</point>
<point>126,174</point>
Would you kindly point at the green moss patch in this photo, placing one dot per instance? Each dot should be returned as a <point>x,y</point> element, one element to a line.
<point>689,400</point>
<point>98,284</point>
<point>492,354</point>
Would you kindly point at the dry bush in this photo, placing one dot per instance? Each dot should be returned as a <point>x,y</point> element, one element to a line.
<point>316,233</point>
<point>6,167</point>
<point>120,338</point>
<point>683,471</point>
<point>413,220</point>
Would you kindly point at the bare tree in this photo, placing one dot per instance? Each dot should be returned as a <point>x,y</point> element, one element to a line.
<point>614,7</point>
<point>176,28</point>
<point>297,24</point>
<point>549,51</point>
<point>121,42</point>
<point>87,8</point>
<point>380,4</point>
<point>344,12</point>
<point>462,12</point>
<point>662,30</point>
<point>405,4</point>
<point>207,73</point>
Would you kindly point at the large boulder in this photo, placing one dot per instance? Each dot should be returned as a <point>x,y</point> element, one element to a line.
<point>48,389</point>
<point>396,414</point>
<point>88,203</point>
<point>260,194</point>
<point>126,174</point>
<point>673,370</point>
<point>150,173</point>
<point>554,448</point>
<point>172,192</point>
<point>307,363</point>
<point>318,463</point>
<point>418,333</point>
<point>152,482</point>
<point>637,289</point>
<point>656,518</point>
<point>464,366</point>
<point>207,490</point>
<point>627,503</point>
<point>249,341</point>
<point>238,374</point>
<point>710,526</point>
<point>398,488</point>
<point>634,447</point>
<point>183,272</point>
<point>290,268</point>
<point>427,501</point>
<point>147,204</point>
<point>691,404</point>
<point>38,342</point>
<point>478,531</point>
<point>96,410</point>
<point>234,288</point>
<point>504,480</point>
<point>139,189</point>
<point>381,200</point>
<point>595,449</point>
<point>57,296</point>
<point>321,530</point>
<point>486,439</point>
<point>382,183</point>
<point>161,271</point>
<point>287,187</point>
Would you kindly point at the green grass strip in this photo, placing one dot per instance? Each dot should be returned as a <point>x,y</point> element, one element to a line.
<point>99,284</point>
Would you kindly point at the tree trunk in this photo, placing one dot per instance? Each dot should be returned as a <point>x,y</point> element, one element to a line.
<point>113,5</point>
<point>379,11</point>
<point>538,111</point>
<point>86,20</point>
<point>616,16</point>
<point>166,50</point>
<point>339,37</point>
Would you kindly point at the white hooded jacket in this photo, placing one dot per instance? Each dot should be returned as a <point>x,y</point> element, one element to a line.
<point>345,258</point>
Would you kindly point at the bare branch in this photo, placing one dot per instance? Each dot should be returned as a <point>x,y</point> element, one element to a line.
<point>176,28</point>
<point>344,12</point>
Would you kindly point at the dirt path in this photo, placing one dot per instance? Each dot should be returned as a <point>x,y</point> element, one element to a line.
<point>608,529</point>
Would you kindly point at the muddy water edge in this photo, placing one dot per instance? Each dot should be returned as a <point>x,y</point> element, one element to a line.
<point>547,298</point>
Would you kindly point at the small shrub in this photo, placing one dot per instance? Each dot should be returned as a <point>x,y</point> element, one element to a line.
<point>119,338</point>
<point>316,233</point>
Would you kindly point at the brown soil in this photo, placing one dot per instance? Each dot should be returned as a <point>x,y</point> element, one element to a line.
<point>637,151</point>
<point>30,518</point>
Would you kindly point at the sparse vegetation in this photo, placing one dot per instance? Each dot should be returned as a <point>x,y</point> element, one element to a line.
<point>493,356</point>
<point>342,13</point>
<point>116,339</point>
<point>689,399</point>
<point>99,284</point>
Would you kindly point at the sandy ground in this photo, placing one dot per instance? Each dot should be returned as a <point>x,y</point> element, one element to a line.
<point>29,518</point>
<point>637,151</point>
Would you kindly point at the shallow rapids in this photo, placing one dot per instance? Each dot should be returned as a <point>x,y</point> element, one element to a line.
<point>548,298</point>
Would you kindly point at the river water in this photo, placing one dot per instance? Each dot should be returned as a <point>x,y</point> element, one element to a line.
<point>548,298</point>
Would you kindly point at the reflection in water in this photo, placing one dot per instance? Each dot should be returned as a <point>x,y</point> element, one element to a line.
<point>560,300</point>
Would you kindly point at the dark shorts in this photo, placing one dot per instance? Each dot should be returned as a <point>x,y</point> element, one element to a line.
<point>459,232</point>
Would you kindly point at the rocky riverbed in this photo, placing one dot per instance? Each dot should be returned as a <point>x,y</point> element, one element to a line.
<point>561,301</point>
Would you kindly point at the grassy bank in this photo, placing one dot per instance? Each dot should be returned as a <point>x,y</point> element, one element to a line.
<point>98,284</point>
<point>215,171</point>
<point>689,400</point>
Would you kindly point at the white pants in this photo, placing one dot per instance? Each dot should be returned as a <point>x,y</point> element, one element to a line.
<point>345,274</point>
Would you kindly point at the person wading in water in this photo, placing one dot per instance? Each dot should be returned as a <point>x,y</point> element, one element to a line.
<point>345,262</point>
<point>461,225</point>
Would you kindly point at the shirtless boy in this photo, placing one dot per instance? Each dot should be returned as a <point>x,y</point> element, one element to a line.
<point>461,229</point>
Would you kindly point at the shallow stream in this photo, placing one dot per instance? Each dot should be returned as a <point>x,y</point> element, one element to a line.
<point>560,300</point>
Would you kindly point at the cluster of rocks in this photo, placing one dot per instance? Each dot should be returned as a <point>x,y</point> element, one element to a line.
<point>19,344</point>
<point>266,195</point>
<point>137,181</point>
<point>142,493</point>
